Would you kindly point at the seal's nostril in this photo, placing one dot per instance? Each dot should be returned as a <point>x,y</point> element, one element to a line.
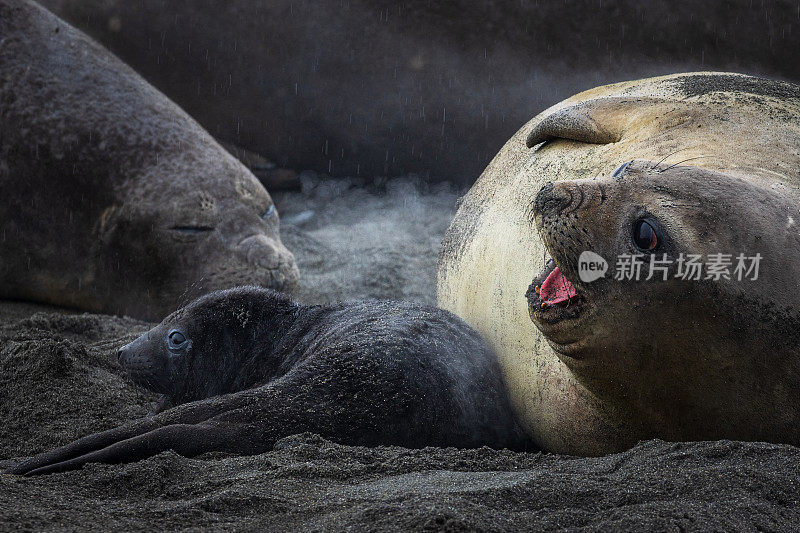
<point>266,258</point>
<point>121,354</point>
<point>261,251</point>
<point>551,200</point>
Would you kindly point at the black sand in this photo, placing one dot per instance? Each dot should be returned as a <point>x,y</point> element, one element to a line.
<point>60,381</point>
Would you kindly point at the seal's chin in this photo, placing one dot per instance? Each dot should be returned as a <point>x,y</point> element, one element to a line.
<point>559,309</point>
<point>552,298</point>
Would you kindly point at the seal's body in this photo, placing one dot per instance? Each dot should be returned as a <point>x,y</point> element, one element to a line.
<point>114,199</point>
<point>363,373</point>
<point>608,362</point>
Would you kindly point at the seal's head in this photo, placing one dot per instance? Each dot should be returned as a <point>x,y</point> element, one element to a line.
<point>213,346</point>
<point>121,203</point>
<point>674,317</point>
<point>174,240</point>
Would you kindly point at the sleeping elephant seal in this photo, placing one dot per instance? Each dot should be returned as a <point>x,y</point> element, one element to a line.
<point>115,200</point>
<point>654,172</point>
<point>365,372</point>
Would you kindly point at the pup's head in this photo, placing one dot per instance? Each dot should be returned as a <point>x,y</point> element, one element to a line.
<point>200,350</point>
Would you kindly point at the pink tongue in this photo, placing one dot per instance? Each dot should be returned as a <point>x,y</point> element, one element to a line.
<point>556,288</point>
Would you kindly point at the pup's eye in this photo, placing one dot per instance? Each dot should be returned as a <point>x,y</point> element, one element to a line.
<point>644,236</point>
<point>176,338</point>
<point>269,212</point>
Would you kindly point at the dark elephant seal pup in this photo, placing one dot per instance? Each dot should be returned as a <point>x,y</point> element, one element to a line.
<point>363,373</point>
<point>114,199</point>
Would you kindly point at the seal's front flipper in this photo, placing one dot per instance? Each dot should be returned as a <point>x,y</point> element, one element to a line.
<point>606,120</point>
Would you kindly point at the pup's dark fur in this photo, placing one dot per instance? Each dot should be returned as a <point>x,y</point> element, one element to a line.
<point>363,373</point>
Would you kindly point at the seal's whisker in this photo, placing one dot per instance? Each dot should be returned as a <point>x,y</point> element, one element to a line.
<point>684,161</point>
<point>123,336</point>
<point>666,156</point>
<point>110,342</point>
<point>184,298</point>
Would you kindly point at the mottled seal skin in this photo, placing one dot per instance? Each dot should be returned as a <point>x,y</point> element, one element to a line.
<point>363,373</point>
<point>713,166</point>
<point>115,200</point>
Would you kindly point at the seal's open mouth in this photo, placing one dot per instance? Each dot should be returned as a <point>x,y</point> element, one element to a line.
<point>552,297</point>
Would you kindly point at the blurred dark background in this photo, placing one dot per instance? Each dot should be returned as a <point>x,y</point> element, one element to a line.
<point>382,88</point>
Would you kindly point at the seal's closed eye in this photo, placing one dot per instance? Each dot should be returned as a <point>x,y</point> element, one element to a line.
<point>192,229</point>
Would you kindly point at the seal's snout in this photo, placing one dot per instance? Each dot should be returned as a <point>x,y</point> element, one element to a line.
<point>264,252</point>
<point>551,200</point>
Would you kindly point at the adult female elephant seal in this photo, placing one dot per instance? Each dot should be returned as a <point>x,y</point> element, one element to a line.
<point>611,361</point>
<point>115,200</point>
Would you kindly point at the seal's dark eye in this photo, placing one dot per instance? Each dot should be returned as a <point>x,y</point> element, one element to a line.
<point>644,236</point>
<point>176,338</point>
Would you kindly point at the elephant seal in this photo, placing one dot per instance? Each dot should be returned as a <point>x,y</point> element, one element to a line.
<point>116,201</point>
<point>364,372</point>
<point>706,164</point>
